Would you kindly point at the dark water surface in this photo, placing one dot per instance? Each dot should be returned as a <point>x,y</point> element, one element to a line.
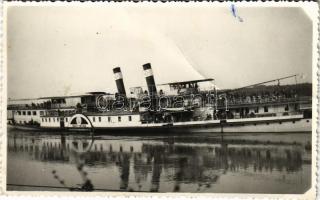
<point>202,162</point>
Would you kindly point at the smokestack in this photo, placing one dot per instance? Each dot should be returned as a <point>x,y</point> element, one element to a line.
<point>119,81</point>
<point>149,78</point>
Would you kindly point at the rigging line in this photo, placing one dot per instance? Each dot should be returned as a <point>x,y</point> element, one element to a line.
<point>278,79</point>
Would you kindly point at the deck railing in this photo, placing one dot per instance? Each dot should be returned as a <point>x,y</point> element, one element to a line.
<point>267,100</point>
<point>221,102</point>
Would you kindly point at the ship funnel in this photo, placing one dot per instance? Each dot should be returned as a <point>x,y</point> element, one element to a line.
<point>149,78</point>
<point>119,81</point>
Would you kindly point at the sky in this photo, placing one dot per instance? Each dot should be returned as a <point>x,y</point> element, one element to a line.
<point>66,50</point>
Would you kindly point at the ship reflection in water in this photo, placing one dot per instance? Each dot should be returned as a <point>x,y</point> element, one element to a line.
<point>229,163</point>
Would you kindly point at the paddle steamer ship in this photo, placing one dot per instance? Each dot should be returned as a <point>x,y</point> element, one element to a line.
<point>189,106</point>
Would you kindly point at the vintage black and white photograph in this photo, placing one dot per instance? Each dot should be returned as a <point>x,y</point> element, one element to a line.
<point>158,98</point>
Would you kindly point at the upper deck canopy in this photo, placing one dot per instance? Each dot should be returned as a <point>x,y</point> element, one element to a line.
<point>187,82</point>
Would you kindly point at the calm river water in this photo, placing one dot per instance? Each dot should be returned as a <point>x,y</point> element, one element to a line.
<point>202,162</point>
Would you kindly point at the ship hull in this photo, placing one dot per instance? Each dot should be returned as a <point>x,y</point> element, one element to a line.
<point>303,125</point>
<point>271,125</point>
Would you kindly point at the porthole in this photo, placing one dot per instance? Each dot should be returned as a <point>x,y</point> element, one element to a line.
<point>307,120</point>
<point>293,122</point>
<point>267,123</point>
<point>280,122</point>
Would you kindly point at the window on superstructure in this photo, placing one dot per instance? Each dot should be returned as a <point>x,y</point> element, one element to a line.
<point>45,119</point>
<point>130,118</point>
<point>19,112</point>
<point>93,119</point>
<point>29,112</point>
<point>53,119</point>
<point>109,119</point>
<point>57,119</point>
<point>99,119</point>
<point>41,113</point>
<point>24,113</point>
<point>119,119</point>
<point>34,112</point>
<point>256,110</point>
<point>42,119</point>
<point>49,119</point>
<point>266,109</point>
<point>66,119</point>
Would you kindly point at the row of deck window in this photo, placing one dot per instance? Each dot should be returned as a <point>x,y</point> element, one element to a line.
<point>54,119</point>
<point>265,109</point>
<point>34,112</point>
<point>48,119</point>
<point>109,119</point>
